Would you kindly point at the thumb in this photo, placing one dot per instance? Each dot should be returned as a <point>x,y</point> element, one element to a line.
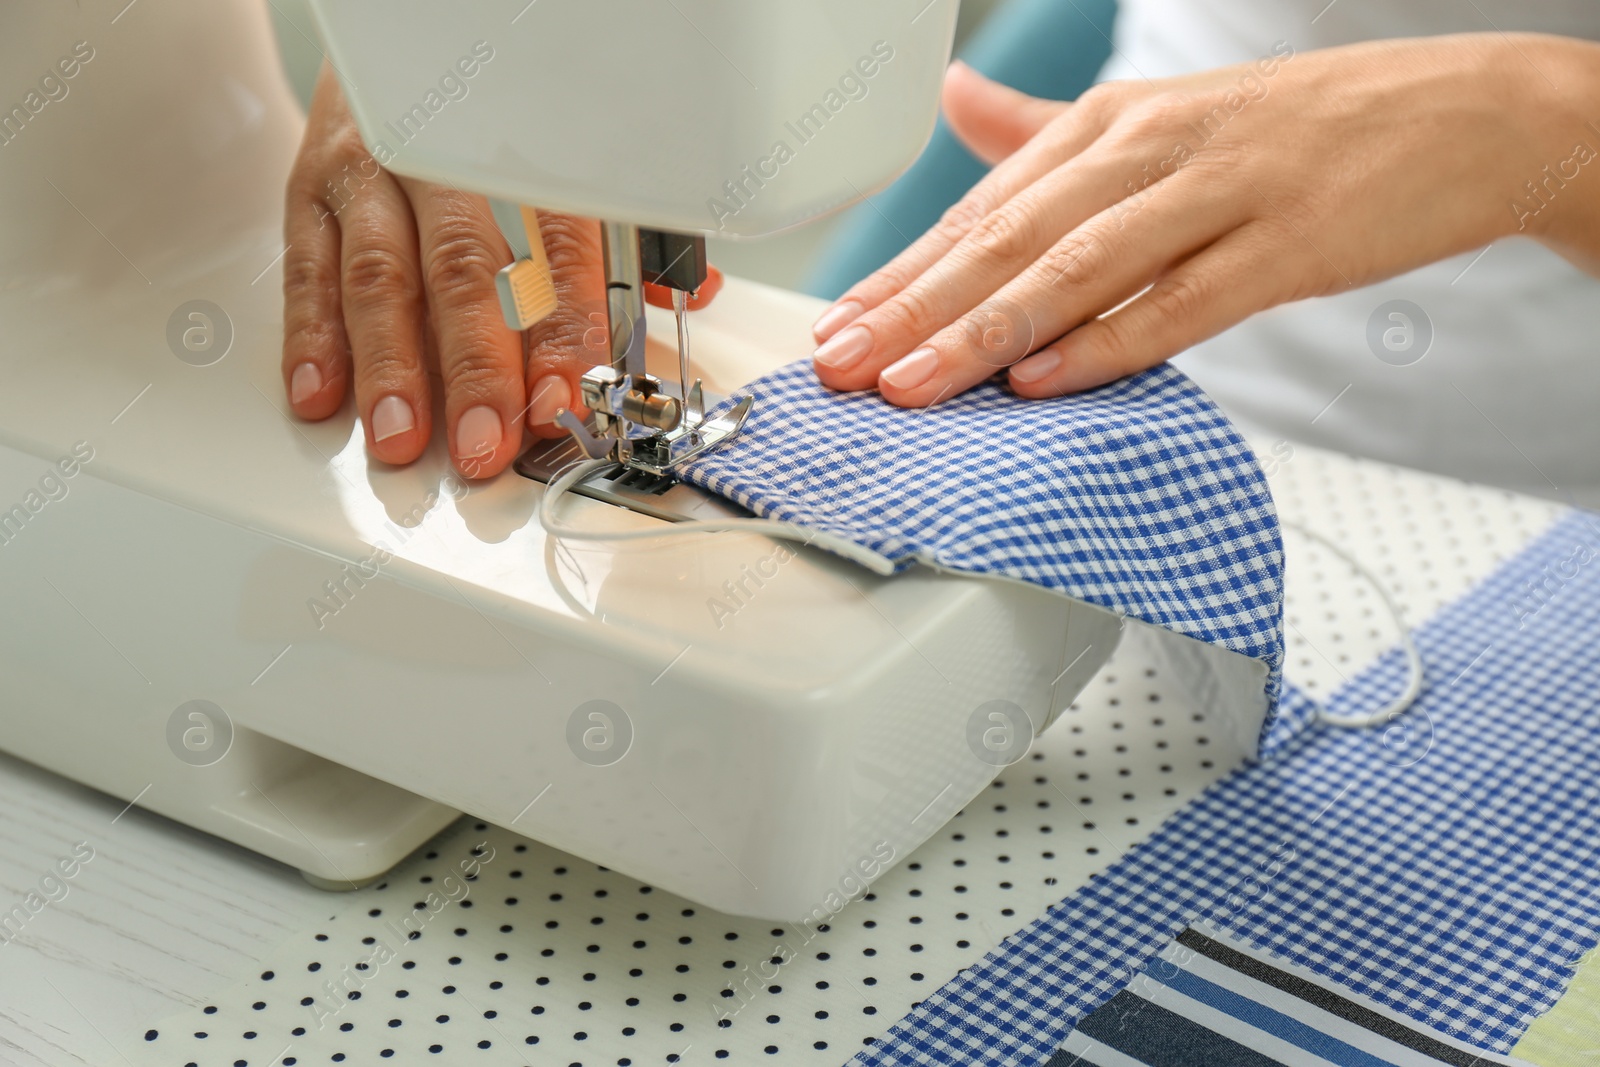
<point>991,119</point>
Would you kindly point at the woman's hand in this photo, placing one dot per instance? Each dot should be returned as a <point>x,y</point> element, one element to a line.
<point>1118,230</point>
<point>387,278</point>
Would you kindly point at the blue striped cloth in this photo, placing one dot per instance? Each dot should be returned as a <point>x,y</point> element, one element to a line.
<point>1445,868</point>
<point>1139,496</point>
<point>1208,999</point>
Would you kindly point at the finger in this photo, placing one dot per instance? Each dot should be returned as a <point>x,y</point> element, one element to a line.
<point>1217,288</point>
<point>1088,272</point>
<point>575,336</point>
<point>480,357</point>
<point>995,251</point>
<point>660,296</point>
<point>1064,137</point>
<point>384,309</point>
<point>991,119</point>
<point>316,354</point>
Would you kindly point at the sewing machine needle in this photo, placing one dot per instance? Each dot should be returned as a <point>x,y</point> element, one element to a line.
<point>680,301</point>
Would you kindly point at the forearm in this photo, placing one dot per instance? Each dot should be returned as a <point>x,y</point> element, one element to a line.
<point>1558,202</point>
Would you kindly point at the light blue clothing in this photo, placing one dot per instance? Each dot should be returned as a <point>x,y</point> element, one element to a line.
<point>1049,48</point>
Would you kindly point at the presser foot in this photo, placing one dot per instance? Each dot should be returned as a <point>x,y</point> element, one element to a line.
<point>655,493</point>
<point>638,425</point>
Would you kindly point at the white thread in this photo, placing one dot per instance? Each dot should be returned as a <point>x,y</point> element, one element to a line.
<point>576,472</point>
<point>1408,644</point>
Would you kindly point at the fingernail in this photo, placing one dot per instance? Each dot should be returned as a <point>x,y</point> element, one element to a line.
<point>832,320</point>
<point>390,416</point>
<point>845,350</point>
<point>1036,367</point>
<point>550,394</point>
<point>479,432</point>
<point>304,384</point>
<point>912,371</point>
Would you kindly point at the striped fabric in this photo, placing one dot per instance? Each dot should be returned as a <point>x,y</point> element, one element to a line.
<point>1209,1000</point>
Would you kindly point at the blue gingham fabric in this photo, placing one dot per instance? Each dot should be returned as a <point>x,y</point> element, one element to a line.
<point>1446,867</point>
<point>1139,496</point>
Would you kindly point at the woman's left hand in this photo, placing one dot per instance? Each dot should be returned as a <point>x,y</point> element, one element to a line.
<point>1120,229</point>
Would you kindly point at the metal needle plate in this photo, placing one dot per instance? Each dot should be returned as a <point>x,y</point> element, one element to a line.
<point>661,496</point>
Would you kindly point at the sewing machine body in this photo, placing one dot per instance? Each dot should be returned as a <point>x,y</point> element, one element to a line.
<point>375,650</point>
<point>392,647</point>
<point>606,109</point>
<point>715,116</point>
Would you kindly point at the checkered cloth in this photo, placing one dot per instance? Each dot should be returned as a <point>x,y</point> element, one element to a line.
<point>1446,867</point>
<point>1138,496</point>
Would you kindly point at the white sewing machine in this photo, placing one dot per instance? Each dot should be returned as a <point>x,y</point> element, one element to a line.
<point>167,530</point>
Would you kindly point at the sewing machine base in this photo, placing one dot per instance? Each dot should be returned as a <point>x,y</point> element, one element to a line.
<point>778,713</point>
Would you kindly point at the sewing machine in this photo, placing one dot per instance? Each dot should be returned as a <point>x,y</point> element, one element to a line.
<point>232,618</point>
